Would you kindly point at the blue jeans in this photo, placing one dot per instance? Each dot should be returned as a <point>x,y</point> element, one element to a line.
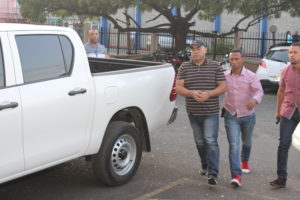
<point>235,129</point>
<point>287,128</point>
<point>205,129</point>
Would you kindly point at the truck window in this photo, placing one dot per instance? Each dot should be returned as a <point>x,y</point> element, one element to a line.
<point>68,52</point>
<point>2,80</point>
<point>41,57</point>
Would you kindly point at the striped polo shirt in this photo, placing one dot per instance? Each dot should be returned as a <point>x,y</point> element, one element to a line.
<point>204,78</point>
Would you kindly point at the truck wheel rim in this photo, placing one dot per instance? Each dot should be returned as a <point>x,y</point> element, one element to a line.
<point>123,155</point>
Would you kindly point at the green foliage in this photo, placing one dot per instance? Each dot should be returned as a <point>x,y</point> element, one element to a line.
<point>34,9</point>
<point>206,9</point>
<point>178,26</point>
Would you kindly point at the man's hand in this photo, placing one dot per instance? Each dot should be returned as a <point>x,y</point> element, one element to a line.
<point>277,116</point>
<point>204,96</point>
<point>196,94</point>
<point>251,104</point>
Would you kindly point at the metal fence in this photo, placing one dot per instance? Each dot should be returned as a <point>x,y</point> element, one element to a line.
<point>253,45</point>
<point>11,15</point>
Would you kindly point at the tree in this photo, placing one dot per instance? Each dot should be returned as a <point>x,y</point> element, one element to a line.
<point>178,25</point>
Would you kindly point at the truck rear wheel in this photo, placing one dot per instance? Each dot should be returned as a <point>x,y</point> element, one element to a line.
<point>120,154</point>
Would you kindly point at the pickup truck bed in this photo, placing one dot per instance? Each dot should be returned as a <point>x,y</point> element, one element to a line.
<point>99,65</point>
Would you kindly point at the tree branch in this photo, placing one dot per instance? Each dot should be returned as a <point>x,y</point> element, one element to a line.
<point>147,30</point>
<point>154,18</point>
<point>164,11</point>
<point>193,12</point>
<point>126,15</point>
<point>120,21</point>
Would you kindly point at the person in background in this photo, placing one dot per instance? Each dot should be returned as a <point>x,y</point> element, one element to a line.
<point>295,37</point>
<point>289,37</point>
<point>93,48</point>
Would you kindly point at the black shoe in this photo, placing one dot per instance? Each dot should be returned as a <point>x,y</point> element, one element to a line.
<point>212,180</point>
<point>278,183</point>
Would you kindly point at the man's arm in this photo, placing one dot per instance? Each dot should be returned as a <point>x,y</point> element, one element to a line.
<point>257,93</point>
<point>280,98</point>
<point>181,90</point>
<point>220,89</point>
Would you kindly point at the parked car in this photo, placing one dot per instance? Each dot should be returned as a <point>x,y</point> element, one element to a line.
<point>56,104</point>
<point>296,137</point>
<point>270,66</point>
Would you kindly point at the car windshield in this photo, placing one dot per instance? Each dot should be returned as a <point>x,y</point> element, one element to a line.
<point>278,55</point>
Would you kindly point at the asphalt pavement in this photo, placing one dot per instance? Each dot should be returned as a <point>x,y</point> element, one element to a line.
<point>170,171</point>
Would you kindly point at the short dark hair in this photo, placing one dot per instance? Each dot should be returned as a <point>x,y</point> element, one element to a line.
<point>296,44</point>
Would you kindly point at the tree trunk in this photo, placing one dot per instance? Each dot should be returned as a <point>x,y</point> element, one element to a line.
<point>237,40</point>
<point>180,40</point>
<point>179,31</point>
<point>128,33</point>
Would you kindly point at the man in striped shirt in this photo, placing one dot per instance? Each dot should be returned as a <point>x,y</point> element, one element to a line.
<point>243,93</point>
<point>201,81</point>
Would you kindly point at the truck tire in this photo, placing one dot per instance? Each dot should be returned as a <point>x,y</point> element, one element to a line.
<point>120,154</point>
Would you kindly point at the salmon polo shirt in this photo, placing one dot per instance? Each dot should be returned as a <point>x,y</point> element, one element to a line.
<point>290,80</point>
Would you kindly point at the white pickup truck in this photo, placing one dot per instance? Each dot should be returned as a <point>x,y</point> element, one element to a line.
<point>57,105</point>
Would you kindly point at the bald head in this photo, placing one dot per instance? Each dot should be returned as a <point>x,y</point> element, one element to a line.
<point>93,36</point>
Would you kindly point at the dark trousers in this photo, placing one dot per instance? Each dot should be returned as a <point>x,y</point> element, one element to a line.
<point>287,127</point>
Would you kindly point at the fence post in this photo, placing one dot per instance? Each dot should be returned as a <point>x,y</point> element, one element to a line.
<point>136,41</point>
<point>101,35</point>
<point>194,35</point>
<point>108,38</point>
<point>215,47</point>
<point>118,42</point>
<point>262,49</point>
<point>273,37</point>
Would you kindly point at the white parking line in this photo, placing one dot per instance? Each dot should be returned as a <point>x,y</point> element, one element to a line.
<point>163,189</point>
<point>187,180</point>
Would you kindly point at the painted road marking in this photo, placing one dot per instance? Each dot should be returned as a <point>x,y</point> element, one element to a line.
<point>187,180</point>
<point>163,189</point>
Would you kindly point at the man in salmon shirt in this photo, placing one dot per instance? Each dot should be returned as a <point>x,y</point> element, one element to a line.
<point>243,93</point>
<point>288,108</point>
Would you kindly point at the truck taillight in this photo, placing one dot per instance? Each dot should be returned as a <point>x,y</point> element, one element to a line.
<point>173,94</point>
<point>262,64</point>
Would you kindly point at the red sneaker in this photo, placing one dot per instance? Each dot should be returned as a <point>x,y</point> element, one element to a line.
<point>245,167</point>
<point>236,181</point>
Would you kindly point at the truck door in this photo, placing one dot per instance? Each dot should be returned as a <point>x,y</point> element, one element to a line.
<point>11,145</point>
<point>56,103</point>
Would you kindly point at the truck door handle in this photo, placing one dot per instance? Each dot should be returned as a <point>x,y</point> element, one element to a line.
<point>10,105</point>
<point>77,91</point>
